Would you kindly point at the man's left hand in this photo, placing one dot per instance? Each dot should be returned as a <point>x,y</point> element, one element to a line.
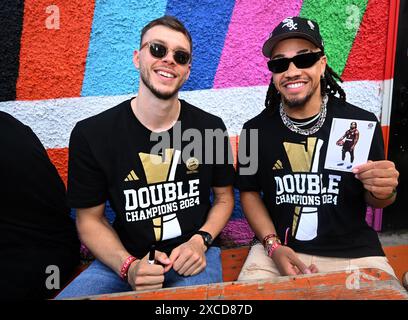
<point>189,258</point>
<point>378,177</point>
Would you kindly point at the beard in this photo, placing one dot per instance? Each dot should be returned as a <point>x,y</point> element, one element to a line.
<point>297,102</point>
<point>158,94</point>
<point>293,103</point>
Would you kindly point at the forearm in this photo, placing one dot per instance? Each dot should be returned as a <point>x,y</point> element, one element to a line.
<point>220,212</point>
<point>378,203</point>
<point>257,214</point>
<point>380,180</point>
<point>101,239</point>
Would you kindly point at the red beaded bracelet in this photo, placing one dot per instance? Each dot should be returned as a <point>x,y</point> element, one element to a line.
<point>269,236</point>
<point>271,242</point>
<point>271,248</point>
<point>125,267</point>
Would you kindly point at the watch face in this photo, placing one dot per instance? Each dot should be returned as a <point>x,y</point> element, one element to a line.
<point>208,239</point>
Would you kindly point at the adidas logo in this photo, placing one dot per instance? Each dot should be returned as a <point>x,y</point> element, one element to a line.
<point>132,176</point>
<point>277,165</point>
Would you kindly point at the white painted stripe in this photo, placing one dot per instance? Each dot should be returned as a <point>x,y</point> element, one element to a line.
<point>387,102</point>
<point>53,120</point>
<point>365,94</point>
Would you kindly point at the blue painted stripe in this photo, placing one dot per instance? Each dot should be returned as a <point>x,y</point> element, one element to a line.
<point>109,213</point>
<point>208,23</point>
<point>115,35</point>
<point>237,212</point>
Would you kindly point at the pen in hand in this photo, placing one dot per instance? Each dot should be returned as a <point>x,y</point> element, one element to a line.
<point>152,254</point>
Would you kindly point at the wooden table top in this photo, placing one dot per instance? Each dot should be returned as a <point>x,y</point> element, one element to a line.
<point>365,284</point>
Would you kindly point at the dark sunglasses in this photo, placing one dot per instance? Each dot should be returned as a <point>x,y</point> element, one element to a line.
<point>301,61</point>
<point>159,51</point>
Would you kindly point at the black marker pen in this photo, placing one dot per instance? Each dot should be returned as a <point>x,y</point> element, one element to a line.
<point>152,254</point>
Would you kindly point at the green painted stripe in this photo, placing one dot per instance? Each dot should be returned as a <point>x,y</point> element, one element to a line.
<point>339,22</point>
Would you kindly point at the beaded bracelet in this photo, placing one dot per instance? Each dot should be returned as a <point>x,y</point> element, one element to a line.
<point>269,236</point>
<point>125,267</point>
<point>271,248</point>
<point>271,242</point>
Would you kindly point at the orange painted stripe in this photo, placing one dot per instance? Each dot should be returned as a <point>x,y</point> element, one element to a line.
<point>391,39</point>
<point>59,157</point>
<point>234,147</point>
<point>386,135</point>
<point>52,61</point>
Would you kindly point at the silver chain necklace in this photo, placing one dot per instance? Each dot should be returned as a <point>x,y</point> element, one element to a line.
<point>306,132</point>
<point>305,124</point>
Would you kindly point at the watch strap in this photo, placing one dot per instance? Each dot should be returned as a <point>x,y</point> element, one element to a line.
<point>207,237</point>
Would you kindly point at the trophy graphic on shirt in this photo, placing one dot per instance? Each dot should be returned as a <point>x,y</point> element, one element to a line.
<point>304,159</point>
<point>159,170</point>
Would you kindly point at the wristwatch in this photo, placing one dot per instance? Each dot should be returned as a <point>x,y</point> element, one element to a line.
<point>207,238</point>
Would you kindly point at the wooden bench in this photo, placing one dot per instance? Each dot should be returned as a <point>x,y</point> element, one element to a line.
<point>367,284</point>
<point>373,283</point>
<point>233,259</point>
<point>398,259</point>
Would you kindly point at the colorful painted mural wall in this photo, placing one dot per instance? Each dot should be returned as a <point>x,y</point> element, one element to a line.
<point>65,60</point>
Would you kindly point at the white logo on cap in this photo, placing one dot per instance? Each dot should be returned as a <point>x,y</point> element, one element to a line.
<point>311,25</point>
<point>288,23</point>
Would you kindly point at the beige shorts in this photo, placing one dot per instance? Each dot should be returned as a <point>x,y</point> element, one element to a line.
<point>258,266</point>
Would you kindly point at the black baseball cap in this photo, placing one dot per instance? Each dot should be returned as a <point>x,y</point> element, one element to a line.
<point>293,27</point>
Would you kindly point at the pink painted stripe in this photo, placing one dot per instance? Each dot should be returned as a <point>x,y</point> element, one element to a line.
<point>242,63</point>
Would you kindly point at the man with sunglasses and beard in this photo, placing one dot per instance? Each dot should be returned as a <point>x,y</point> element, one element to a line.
<point>306,218</point>
<point>164,228</point>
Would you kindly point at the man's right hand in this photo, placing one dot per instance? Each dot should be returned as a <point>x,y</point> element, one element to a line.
<point>145,276</point>
<point>289,264</point>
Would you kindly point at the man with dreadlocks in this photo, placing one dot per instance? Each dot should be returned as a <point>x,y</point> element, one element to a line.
<point>348,141</point>
<point>306,218</point>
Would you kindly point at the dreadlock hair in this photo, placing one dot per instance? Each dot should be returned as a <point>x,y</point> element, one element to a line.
<point>328,85</point>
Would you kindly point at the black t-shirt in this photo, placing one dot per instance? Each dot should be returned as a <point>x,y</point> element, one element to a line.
<point>317,210</point>
<point>35,227</point>
<point>33,208</point>
<point>159,188</point>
